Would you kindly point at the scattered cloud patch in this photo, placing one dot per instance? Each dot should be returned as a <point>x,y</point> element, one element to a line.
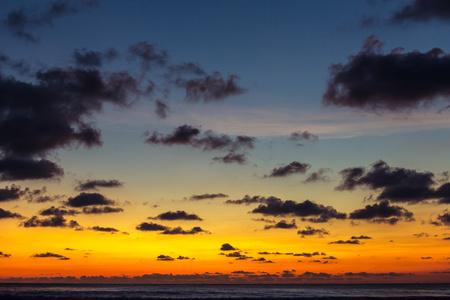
<point>94,184</point>
<point>88,199</point>
<point>178,215</point>
<point>50,255</point>
<point>382,212</point>
<point>294,167</point>
<point>310,231</point>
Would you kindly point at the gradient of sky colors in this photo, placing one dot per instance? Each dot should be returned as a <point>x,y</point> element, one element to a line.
<point>224,141</point>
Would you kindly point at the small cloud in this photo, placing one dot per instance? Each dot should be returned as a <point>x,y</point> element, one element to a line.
<point>207,196</point>
<point>361,237</point>
<point>351,242</point>
<point>294,167</point>
<point>4,255</point>
<point>50,255</point>
<point>164,258</point>
<point>281,225</point>
<point>178,215</point>
<point>179,230</point>
<point>309,231</point>
<point>104,229</point>
<point>300,136</point>
<point>144,226</point>
<point>101,210</point>
<point>87,199</point>
<point>94,184</point>
<point>227,247</point>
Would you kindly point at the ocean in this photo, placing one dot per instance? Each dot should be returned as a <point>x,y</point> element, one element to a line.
<point>225,291</point>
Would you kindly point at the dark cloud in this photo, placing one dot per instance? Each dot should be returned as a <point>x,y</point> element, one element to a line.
<point>277,207</point>
<point>227,247</point>
<point>179,230</point>
<point>374,81</point>
<point>148,55</point>
<point>249,200</point>
<point>4,255</point>
<point>101,210</point>
<point>21,22</point>
<point>426,257</point>
<point>329,257</point>
<point>319,175</point>
<point>396,184</point>
<point>207,196</point>
<point>294,167</point>
<point>420,235</point>
<point>39,196</point>
<point>211,87</point>
<point>182,135</point>
<point>178,215</point>
<point>54,211</point>
<point>423,11</point>
<point>281,225</point>
<point>87,58</point>
<point>87,199</point>
<point>231,158</point>
<point>308,231</point>
<point>54,221</point>
<point>11,193</point>
<point>51,255</point>
<point>361,237</point>
<point>382,212</point>
<point>164,258</point>
<point>94,184</point>
<point>351,242</point>
<point>299,136</point>
<point>237,255</point>
<point>6,214</point>
<point>442,219</point>
<point>13,168</point>
<point>182,257</point>
<point>104,229</point>
<point>144,226</point>
<point>161,109</point>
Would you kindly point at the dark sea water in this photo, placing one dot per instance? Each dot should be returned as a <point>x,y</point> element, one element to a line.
<point>213,291</point>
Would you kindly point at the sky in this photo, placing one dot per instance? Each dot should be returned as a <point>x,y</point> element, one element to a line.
<point>224,141</point>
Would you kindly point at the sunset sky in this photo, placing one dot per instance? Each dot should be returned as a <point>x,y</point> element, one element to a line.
<point>225,141</point>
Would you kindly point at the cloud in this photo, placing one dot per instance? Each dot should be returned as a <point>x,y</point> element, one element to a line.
<point>50,255</point>
<point>281,225</point>
<point>299,136</point>
<point>104,229</point>
<point>147,55</point>
<point>351,242</point>
<point>179,230</point>
<point>227,247</point>
<point>294,167</point>
<point>186,68</point>
<point>6,214</point>
<point>54,211</point>
<point>361,237</point>
<point>164,258</point>
<point>178,215</point>
<point>211,87</point>
<point>21,22</point>
<point>94,184</point>
<point>144,226</point>
<point>4,255</point>
<point>319,175</point>
<point>249,200</point>
<point>420,235</point>
<point>85,58</point>
<point>238,255</point>
<point>183,258</point>
<point>374,81</point>
<point>38,196</point>
<point>232,158</point>
<point>12,168</point>
<point>308,231</point>
<point>426,257</point>
<point>307,208</point>
<point>442,219</point>
<point>54,221</point>
<point>382,213</point>
<point>207,196</point>
<point>161,109</point>
<point>11,193</point>
<point>396,184</point>
<point>423,11</point>
<point>101,210</point>
<point>87,199</point>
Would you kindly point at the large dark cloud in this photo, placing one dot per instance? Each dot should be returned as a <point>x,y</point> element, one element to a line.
<point>22,22</point>
<point>374,81</point>
<point>396,184</point>
<point>54,221</point>
<point>178,215</point>
<point>281,225</point>
<point>51,255</point>
<point>87,199</point>
<point>94,184</point>
<point>423,11</point>
<point>208,141</point>
<point>6,214</point>
<point>382,212</point>
<point>309,231</point>
<point>294,167</point>
<point>207,196</point>
<point>317,212</point>
<point>89,58</point>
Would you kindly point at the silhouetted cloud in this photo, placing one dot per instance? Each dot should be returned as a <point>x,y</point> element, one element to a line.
<point>179,230</point>
<point>4,255</point>
<point>308,231</point>
<point>54,221</point>
<point>249,200</point>
<point>231,158</point>
<point>420,235</point>
<point>87,199</point>
<point>319,175</point>
<point>104,229</point>
<point>227,247</point>
<point>180,257</point>
<point>374,81</point>
<point>281,225</point>
<point>396,184</point>
<point>12,168</point>
<point>11,193</point>
<point>237,255</point>
<point>442,219</point>
<point>22,22</point>
<point>351,242</point>
<point>178,215</point>
<point>6,214</point>
<point>423,11</point>
<point>207,196</point>
<point>94,184</point>
<point>382,212</point>
<point>161,109</point>
<point>87,58</point>
<point>50,255</point>
<point>307,208</point>
<point>212,87</point>
<point>186,68</point>
<point>101,210</point>
<point>361,237</point>
<point>39,196</point>
<point>294,167</point>
<point>144,226</point>
<point>54,211</point>
<point>148,55</point>
<point>163,257</point>
<point>299,136</point>
<point>426,257</point>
